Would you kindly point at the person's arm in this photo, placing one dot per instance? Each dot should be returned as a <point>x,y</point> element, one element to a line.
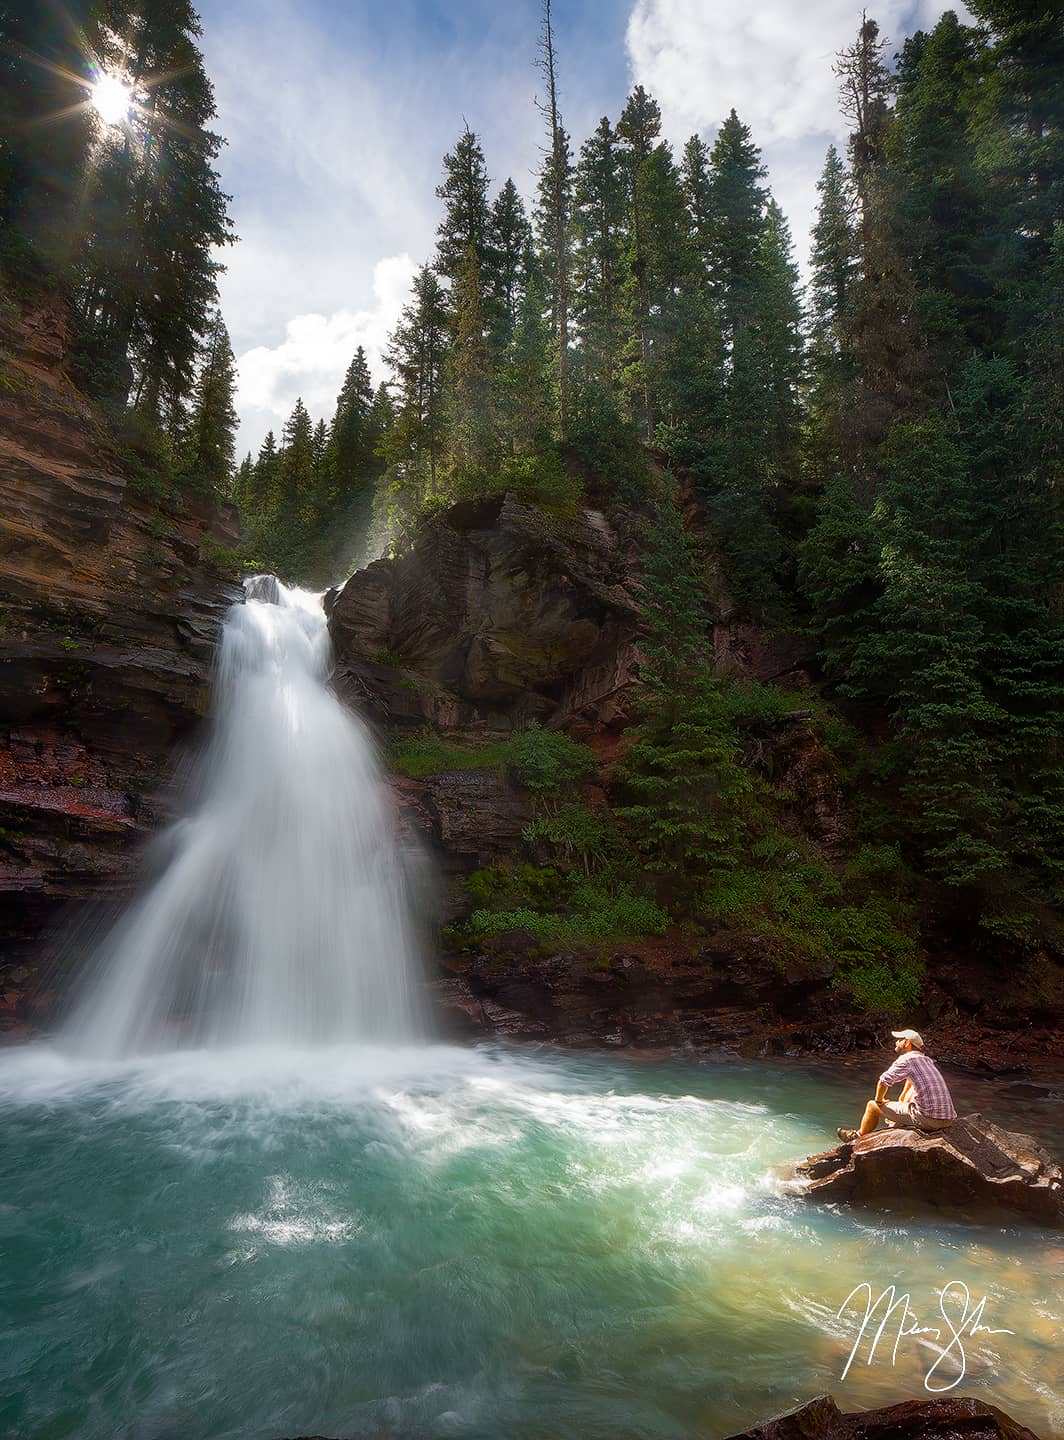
<point>893,1075</point>
<point>908,1090</point>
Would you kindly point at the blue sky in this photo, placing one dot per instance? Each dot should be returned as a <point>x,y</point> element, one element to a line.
<point>337,117</point>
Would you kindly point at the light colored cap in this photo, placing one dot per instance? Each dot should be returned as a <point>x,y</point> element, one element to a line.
<point>913,1035</point>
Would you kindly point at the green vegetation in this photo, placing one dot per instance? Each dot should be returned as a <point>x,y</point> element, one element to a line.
<point>125,221</point>
<point>556,907</point>
<point>540,760</point>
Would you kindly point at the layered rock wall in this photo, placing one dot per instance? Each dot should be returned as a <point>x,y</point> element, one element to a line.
<point>498,615</point>
<point>110,606</point>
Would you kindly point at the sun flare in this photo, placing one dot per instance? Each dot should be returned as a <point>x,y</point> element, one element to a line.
<point>112,99</point>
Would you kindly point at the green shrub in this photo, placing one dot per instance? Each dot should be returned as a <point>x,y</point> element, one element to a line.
<point>584,837</point>
<point>540,887</point>
<point>595,916</point>
<point>538,479</point>
<point>544,761</point>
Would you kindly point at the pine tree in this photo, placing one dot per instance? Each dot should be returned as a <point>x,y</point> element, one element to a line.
<point>736,201</point>
<point>295,478</point>
<point>263,485</point>
<point>600,244</point>
<point>416,354</point>
<point>510,239</point>
<point>154,214</point>
<point>864,85</point>
<point>694,169</point>
<point>467,216</point>
<point>210,433</point>
<point>834,268</point>
<point>834,256</point>
<point>471,427</point>
<point>526,383</point>
<point>243,483</point>
<point>639,128</point>
<point>353,465</point>
<point>553,216</point>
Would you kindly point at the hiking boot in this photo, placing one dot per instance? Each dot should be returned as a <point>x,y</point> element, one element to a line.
<point>848,1135</point>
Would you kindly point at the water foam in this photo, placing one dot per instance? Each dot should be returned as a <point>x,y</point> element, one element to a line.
<point>283,915</point>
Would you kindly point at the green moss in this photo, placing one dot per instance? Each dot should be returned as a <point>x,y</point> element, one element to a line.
<point>541,761</point>
<point>428,753</point>
<point>595,915</point>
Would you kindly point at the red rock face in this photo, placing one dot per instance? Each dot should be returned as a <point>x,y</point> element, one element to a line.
<point>111,607</point>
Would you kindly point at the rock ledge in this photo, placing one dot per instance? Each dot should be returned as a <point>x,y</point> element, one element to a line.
<point>974,1165</point>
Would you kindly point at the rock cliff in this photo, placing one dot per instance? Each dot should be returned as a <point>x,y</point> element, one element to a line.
<point>498,615</point>
<point>111,605</point>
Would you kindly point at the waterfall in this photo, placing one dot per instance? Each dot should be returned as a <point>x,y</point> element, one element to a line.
<point>281,913</point>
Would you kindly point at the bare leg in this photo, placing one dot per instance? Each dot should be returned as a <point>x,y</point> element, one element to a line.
<point>870,1119</point>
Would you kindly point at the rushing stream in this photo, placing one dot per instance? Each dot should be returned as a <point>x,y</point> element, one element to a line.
<point>239,1198</point>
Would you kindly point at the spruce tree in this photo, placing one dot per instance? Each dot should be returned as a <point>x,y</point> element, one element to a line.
<point>416,353</point>
<point>527,401</point>
<point>600,245</point>
<point>553,216</point>
<point>294,491</point>
<point>145,279</point>
<point>210,434</point>
<point>467,216</point>
<point>694,169</point>
<point>639,128</point>
<point>510,239</point>
<point>471,423</point>
<point>736,201</point>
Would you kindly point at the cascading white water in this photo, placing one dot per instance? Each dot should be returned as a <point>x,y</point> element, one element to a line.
<point>282,914</point>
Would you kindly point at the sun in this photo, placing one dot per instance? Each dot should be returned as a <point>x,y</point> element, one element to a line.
<point>112,99</point>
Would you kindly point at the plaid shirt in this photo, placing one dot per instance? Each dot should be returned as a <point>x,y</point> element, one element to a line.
<point>932,1098</point>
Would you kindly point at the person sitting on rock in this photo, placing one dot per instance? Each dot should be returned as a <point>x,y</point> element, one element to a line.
<point>925,1103</point>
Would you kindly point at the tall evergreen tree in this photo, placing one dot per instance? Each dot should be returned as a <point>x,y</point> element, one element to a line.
<point>416,354</point>
<point>600,245</point>
<point>639,128</point>
<point>510,240</point>
<point>210,438</point>
<point>295,485</point>
<point>467,215</point>
<point>554,214</point>
<point>736,202</point>
<point>471,427</point>
<point>698,194</point>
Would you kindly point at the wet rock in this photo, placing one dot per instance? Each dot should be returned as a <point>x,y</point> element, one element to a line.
<point>956,1418</point>
<point>497,615</point>
<point>112,607</point>
<point>468,818</point>
<point>975,1165</point>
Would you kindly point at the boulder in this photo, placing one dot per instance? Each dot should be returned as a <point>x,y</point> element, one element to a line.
<point>958,1418</point>
<point>973,1166</point>
<point>497,615</point>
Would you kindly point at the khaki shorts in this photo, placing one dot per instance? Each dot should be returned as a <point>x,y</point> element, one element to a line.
<point>905,1117</point>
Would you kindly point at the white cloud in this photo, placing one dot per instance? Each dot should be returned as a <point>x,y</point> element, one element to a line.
<point>772,62</point>
<point>316,350</point>
<point>334,148</point>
